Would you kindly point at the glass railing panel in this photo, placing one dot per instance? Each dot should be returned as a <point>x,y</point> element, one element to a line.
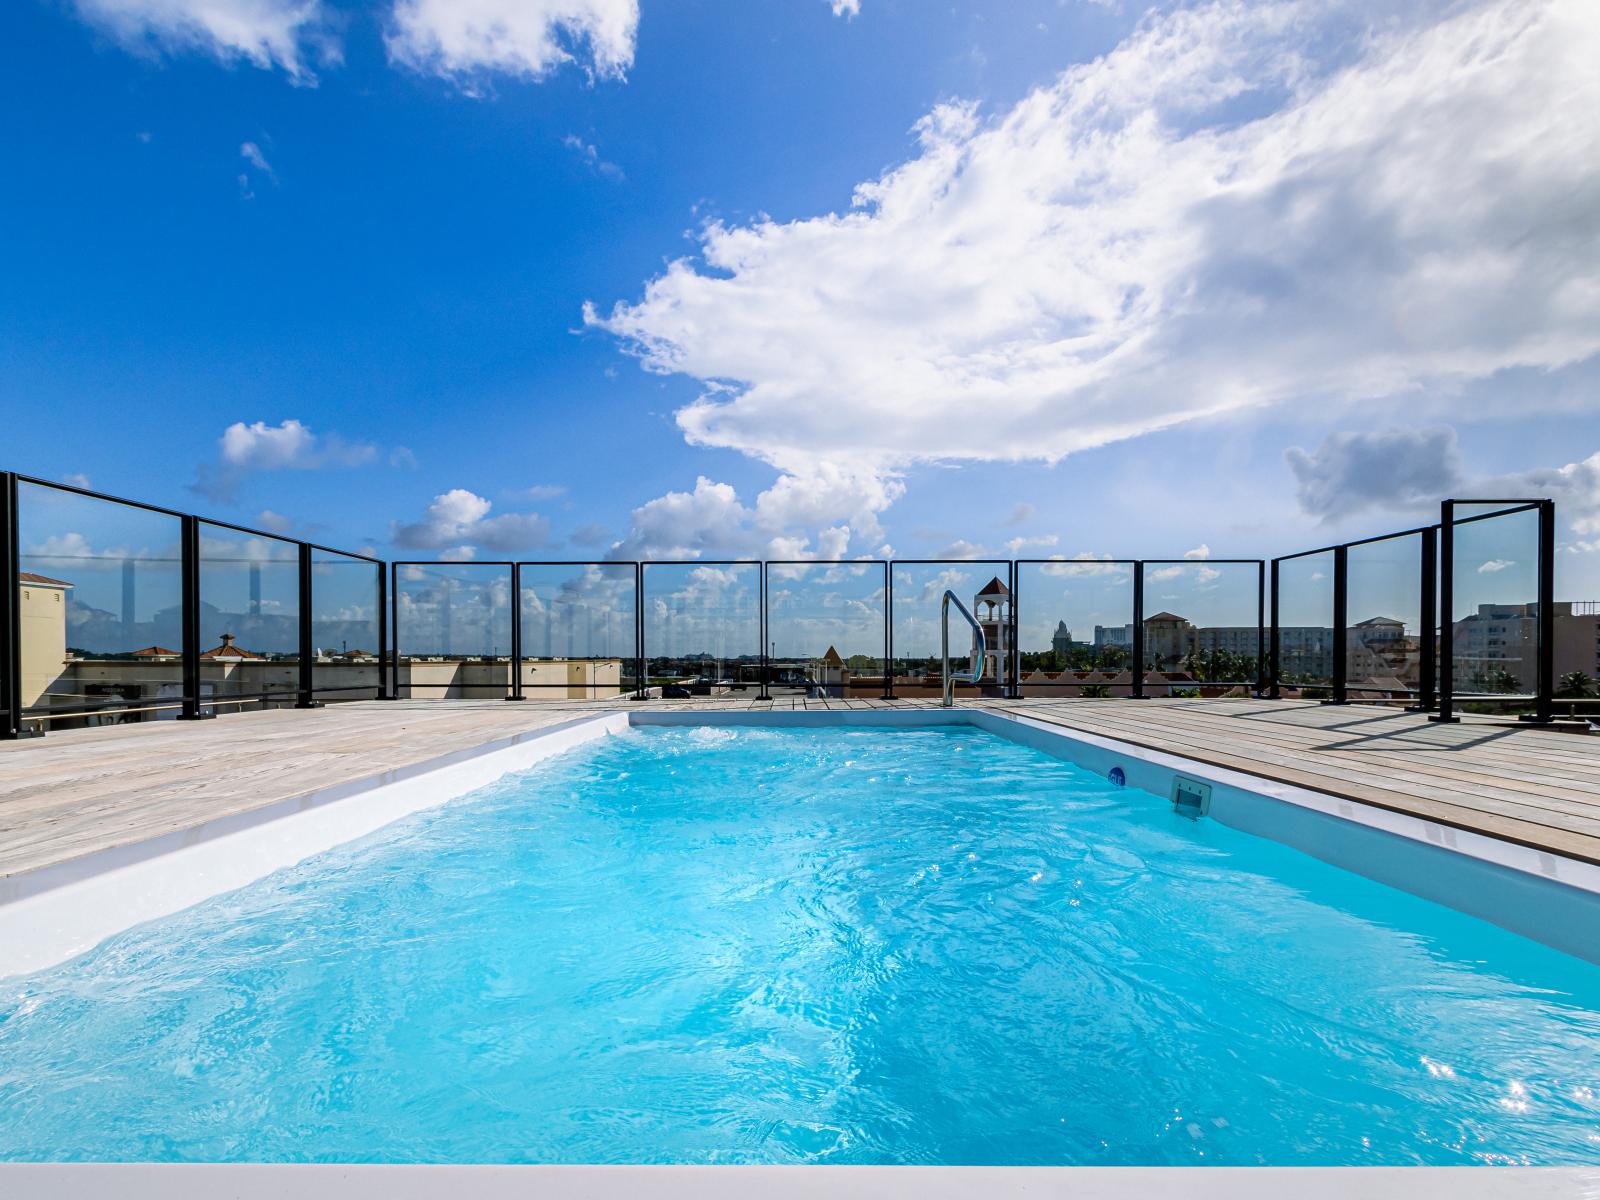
<point>918,588</point>
<point>1305,626</point>
<point>249,619</point>
<point>345,626</point>
<point>453,630</point>
<point>579,640</point>
<point>1493,639</point>
<point>101,595</point>
<point>1075,627</point>
<point>825,628</point>
<point>702,628</point>
<point>1383,643</point>
<point>1202,627</point>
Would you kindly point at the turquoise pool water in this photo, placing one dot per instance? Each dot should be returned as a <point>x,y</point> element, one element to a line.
<point>820,945</point>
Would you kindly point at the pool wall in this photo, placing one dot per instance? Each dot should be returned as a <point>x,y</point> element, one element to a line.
<point>56,912</point>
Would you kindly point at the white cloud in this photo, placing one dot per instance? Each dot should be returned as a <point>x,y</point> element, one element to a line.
<point>540,491</point>
<point>273,522</point>
<point>77,479</point>
<point>252,154</point>
<point>827,505</point>
<point>464,39</point>
<point>1200,551</point>
<point>1495,565</point>
<point>458,521</point>
<point>1241,205</point>
<point>1395,469</point>
<point>1021,513</point>
<point>288,445</point>
<point>1017,544</point>
<point>590,154</point>
<point>846,8</point>
<point>262,32</point>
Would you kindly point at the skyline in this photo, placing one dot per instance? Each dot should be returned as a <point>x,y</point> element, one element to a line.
<point>515,306</point>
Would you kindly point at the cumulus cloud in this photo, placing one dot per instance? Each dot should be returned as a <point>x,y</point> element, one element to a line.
<point>814,514</point>
<point>462,40</point>
<point>1240,206</point>
<point>849,9</point>
<point>1495,565</point>
<point>289,445</point>
<point>457,522</point>
<point>1395,469</point>
<point>261,32</point>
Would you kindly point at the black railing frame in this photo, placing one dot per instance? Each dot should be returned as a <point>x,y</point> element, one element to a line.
<point>1544,616</point>
<point>888,608</point>
<point>638,609</point>
<point>1136,677</point>
<point>1260,683</point>
<point>761,606</point>
<point>766,600</point>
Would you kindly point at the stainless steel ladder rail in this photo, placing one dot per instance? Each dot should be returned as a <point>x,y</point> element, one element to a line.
<point>980,647</point>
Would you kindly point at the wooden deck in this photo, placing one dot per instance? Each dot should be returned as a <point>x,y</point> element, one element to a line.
<point>73,793</point>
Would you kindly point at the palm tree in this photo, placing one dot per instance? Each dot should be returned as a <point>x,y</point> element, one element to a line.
<point>1575,685</point>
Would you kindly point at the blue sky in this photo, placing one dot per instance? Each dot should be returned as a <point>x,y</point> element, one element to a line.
<point>569,278</point>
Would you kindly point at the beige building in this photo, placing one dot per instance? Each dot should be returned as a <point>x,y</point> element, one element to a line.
<point>44,635</point>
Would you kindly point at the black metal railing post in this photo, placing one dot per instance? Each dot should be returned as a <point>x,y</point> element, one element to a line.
<point>386,689</point>
<point>1136,650</point>
<point>888,631</point>
<point>888,677</point>
<point>1446,666</point>
<point>10,612</point>
<point>642,690</point>
<point>761,625</point>
<point>1544,692</point>
<point>1261,628</point>
<point>394,625</point>
<point>1341,626</point>
<point>1016,629</point>
<point>1428,623</point>
<point>1274,638</point>
<point>516,634</point>
<point>308,651</point>
<point>189,648</point>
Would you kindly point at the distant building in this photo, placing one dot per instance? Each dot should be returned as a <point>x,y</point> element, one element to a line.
<point>1061,642</point>
<point>992,608</point>
<point>1505,638</point>
<point>1113,635</point>
<point>44,634</point>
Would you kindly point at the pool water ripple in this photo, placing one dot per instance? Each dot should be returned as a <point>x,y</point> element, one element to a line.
<point>817,945</point>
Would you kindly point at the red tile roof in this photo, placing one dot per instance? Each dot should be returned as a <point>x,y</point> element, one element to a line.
<point>45,580</point>
<point>155,652</point>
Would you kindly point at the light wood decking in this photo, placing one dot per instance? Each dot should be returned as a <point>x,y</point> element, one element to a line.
<point>73,793</point>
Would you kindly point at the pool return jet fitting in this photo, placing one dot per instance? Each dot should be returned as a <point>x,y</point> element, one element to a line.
<point>980,647</point>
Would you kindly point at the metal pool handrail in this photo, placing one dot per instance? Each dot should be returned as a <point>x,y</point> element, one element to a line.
<point>980,646</point>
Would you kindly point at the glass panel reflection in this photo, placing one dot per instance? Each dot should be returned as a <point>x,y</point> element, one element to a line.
<point>101,609</point>
<point>1383,645</point>
<point>825,623</point>
<point>919,589</point>
<point>249,619</point>
<point>345,626</point>
<point>1075,628</point>
<point>1202,628</point>
<point>1305,626</point>
<point>578,635</point>
<point>702,628</point>
<point>454,630</point>
<point>1493,639</point>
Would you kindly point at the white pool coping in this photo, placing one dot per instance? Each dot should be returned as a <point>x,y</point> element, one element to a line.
<point>55,913</point>
<point>255,1181</point>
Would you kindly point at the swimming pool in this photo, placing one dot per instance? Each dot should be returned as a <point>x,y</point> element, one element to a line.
<point>832,944</point>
